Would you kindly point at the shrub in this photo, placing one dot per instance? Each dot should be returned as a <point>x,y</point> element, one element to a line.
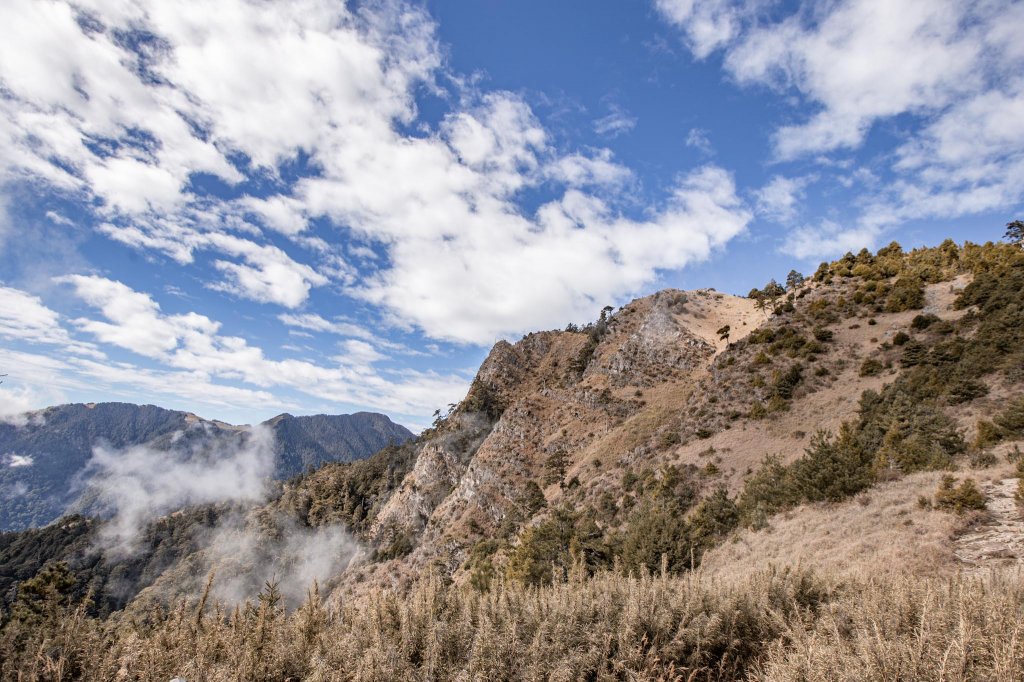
<point>988,434</point>
<point>832,469</point>
<point>768,491</point>
<point>533,498</point>
<point>959,498</point>
<point>914,353</point>
<point>921,322</point>
<point>870,367</point>
<point>822,334</point>
<point>787,381</point>
<point>555,467</point>
<point>667,439</point>
<point>656,529</point>
<point>965,390</point>
<point>714,518</point>
<point>900,338</point>
<point>907,293</point>
<point>1011,419</point>
<point>563,539</point>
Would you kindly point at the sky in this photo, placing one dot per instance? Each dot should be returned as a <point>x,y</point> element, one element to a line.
<point>242,208</point>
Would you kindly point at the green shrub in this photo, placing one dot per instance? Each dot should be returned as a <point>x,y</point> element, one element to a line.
<point>555,467</point>
<point>786,382</point>
<point>767,491</point>
<point>533,498</point>
<point>870,367</point>
<point>822,334</point>
<point>959,498</point>
<point>921,322</point>
<point>965,390</point>
<point>554,545</point>
<point>907,293</point>
<point>1011,419</point>
<point>481,565</point>
<point>1019,495</point>
<point>832,469</point>
<point>988,434</point>
<point>668,438</point>
<point>914,353</point>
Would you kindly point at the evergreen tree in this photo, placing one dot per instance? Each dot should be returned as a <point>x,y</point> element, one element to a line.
<point>1015,232</point>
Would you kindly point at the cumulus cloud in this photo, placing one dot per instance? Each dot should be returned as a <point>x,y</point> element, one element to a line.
<point>18,399</point>
<point>132,107</point>
<point>779,199</point>
<point>707,25</point>
<point>14,461</point>
<point>953,68</point>
<point>698,139</point>
<point>24,317</point>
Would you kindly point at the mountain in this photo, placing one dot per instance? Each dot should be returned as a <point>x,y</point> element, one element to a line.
<point>45,465</point>
<point>829,452</point>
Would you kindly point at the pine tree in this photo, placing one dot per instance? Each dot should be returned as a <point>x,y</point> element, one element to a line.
<point>1015,232</point>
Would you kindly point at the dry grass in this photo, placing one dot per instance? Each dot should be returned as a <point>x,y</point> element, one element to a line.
<point>882,530</point>
<point>771,626</point>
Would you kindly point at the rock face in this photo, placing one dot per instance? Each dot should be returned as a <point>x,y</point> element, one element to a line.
<point>43,463</point>
<point>536,411</point>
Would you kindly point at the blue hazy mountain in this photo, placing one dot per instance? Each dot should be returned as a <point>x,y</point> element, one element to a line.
<point>44,463</point>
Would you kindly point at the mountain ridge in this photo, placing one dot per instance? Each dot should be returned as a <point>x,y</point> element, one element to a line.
<point>47,458</point>
<point>648,438</point>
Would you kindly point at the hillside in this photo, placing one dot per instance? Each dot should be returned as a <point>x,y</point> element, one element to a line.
<point>856,426</point>
<point>46,462</point>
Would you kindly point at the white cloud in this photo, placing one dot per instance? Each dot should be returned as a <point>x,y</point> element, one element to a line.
<point>615,123</point>
<point>191,343</point>
<point>139,484</point>
<point>698,139</point>
<point>316,323</point>
<point>578,256</point>
<point>127,114</point>
<point>779,199</point>
<point>15,461</point>
<point>827,238</point>
<point>24,317</point>
<point>707,24</point>
<point>579,170</point>
<point>33,382</point>
<point>951,68</point>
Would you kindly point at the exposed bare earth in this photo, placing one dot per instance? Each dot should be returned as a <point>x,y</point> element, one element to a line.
<point>998,541</point>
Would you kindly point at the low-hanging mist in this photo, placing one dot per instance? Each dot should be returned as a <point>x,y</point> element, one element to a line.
<point>134,487</point>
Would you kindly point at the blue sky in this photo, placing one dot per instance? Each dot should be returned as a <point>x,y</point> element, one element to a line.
<point>244,208</point>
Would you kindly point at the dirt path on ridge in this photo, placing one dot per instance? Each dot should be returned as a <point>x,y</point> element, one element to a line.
<point>998,542</point>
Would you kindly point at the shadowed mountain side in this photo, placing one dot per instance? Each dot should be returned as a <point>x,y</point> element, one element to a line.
<point>45,465</point>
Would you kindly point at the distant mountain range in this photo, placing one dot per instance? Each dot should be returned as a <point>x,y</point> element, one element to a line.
<point>45,463</point>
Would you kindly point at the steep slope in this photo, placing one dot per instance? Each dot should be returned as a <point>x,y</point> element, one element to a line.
<point>44,467</point>
<point>648,436</point>
<point>640,435</point>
